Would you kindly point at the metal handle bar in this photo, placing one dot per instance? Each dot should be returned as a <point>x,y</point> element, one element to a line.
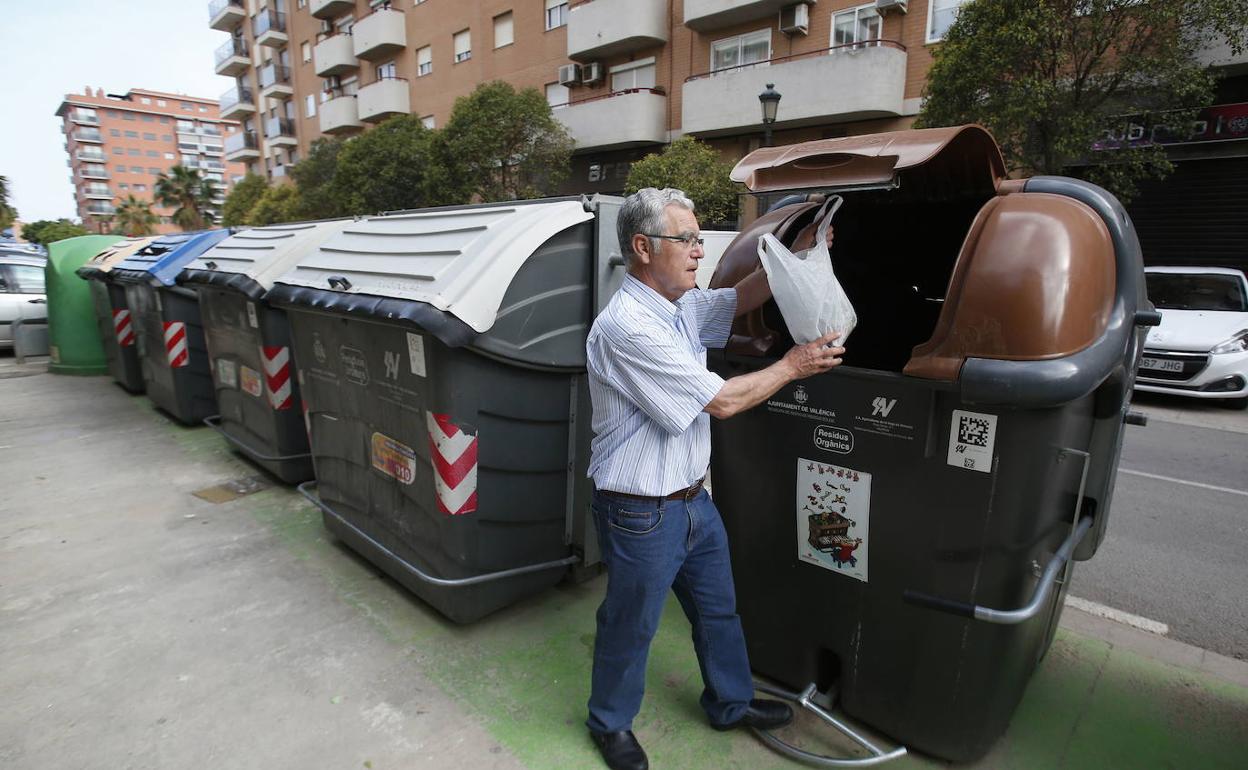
<point>878,755</point>
<point>1008,617</point>
<point>305,489</point>
<point>212,422</point>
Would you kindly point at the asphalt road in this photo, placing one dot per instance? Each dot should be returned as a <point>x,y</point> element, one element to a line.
<point>1177,547</point>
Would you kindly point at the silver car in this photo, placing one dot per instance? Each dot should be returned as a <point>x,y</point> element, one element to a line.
<point>22,293</point>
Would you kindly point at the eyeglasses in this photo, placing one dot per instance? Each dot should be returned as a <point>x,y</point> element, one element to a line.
<point>689,239</point>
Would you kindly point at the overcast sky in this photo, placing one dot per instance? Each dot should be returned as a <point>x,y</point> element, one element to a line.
<point>56,47</point>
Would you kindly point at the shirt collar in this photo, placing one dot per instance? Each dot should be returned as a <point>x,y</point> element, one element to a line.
<point>650,299</point>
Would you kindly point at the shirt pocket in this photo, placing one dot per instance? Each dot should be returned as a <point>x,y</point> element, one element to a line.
<point>639,517</point>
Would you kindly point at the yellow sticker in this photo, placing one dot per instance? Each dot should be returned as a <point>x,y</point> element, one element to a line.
<point>250,381</point>
<point>394,459</point>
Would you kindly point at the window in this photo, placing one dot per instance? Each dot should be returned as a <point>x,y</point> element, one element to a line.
<point>427,121</point>
<point>750,48</point>
<point>136,169</point>
<point>160,102</point>
<point>424,62</point>
<point>164,119</point>
<point>386,70</point>
<point>463,46</point>
<point>305,52</point>
<point>168,156</point>
<point>145,100</point>
<point>149,137</point>
<point>309,106</point>
<point>123,186</point>
<point>119,169</point>
<point>638,74</point>
<point>153,171</point>
<point>132,134</point>
<point>166,137</point>
<point>140,188</point>
<point>114,132</point>
<point>29,279</point>
<point>203,108</point>
<point>187,105</point>
<point>152,154</point>
<point>111,113</point>
<point>134,151</point>
<point>556,14</point>
<point>147,118</point>
<point>503,30</point>
<point>940,16</point>
<point>557,95</point>
<point>186,125</point>
<point>855,26</point>
<point>127,116</point>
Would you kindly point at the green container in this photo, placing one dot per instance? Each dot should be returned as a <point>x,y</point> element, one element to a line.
<point>73,338</point>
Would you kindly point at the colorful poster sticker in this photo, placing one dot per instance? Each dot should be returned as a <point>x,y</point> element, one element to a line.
<point>833,517</point>
<point>394,459</point>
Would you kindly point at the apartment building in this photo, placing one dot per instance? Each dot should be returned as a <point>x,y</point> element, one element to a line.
<point>624,76</point>
<point>119,144</point>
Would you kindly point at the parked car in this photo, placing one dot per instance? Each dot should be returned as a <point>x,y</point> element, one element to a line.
<point>21,292</point>
<point>1201,347</point>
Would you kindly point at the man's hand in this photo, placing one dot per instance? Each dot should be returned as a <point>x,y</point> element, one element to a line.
<point>814,357</point>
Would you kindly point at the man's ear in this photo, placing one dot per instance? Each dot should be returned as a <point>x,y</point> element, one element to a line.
<point>641,249</point>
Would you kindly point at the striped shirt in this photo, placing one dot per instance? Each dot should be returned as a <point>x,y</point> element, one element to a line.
<point>649,383</point>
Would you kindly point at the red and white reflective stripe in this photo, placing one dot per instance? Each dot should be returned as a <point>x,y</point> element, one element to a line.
<point>122,328</point>
<point>176,350</point>
<point>454,456</point>
<point>276,362</point>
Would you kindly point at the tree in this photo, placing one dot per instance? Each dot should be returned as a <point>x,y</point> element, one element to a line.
<point>133,217</point>
<point>385,169</point>
<point>189,195</point>
<point>314,176</point>
<point>279,203</point>
<point>8,214</point>
<point>696,168</point>
<point>45,231</point>
<point>1049,77</point>
<point>242,199</point>
<point>505,145</point>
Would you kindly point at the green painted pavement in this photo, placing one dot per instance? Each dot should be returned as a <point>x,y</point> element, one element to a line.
<point>525,672</point>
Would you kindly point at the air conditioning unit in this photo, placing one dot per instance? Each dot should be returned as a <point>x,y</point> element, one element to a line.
<point>887,6</point>
<point>795,19</point>
<point>591,73</point>
<point>327,27</point>
<point>570,75</point>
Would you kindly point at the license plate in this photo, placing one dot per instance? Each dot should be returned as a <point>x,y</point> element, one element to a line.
<point>1161,365</point>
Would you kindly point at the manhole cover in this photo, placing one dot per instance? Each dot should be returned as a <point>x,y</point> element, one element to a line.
<point>232,489</point>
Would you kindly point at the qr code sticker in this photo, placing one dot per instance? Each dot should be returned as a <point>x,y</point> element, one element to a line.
<point>973,431</point>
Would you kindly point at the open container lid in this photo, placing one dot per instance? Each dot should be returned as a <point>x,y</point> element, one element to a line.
<point>967,155</point>
<point>251,260</point>
<point>458,260</point>
<point>99,266</point>
<point>162,259</point>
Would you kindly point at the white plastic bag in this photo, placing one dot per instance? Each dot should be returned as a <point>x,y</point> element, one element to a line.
<point>804,286</point>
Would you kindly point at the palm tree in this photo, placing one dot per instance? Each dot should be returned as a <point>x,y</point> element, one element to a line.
<point>133,216</point>
<point>189,195</point>
<point>8,214</point>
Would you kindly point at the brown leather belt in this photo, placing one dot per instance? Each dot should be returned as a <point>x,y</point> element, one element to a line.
<point>680,494</point>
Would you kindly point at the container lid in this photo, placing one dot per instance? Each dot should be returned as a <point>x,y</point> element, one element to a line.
<point>163,258</point>
<point>458,260</point>
<point>103,263</point>
<point>967,154</point>
<point>251,260</point>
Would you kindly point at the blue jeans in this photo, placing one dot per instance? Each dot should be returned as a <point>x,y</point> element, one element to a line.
<point>650,546</point>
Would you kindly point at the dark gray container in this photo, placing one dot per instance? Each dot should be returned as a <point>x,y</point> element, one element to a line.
<point>441,355</point>
<point>249,348</point>
<point>901,526</point>
<point>117,328</point>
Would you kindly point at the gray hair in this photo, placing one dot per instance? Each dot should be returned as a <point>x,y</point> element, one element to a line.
<point>642,212</point>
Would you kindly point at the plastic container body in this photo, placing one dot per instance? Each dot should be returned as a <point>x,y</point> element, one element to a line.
<point>74,345</point>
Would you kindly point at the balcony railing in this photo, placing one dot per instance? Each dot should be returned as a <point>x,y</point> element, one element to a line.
<point>88,135</point>
<point>328,9</point>
<point>90,156</point>
<point>269,22</point>
<point>629,118</point>
<point>244,143</point>
<point>607,27</point>
<point>334,55</point>
<point>233,47</point>
<point>277,127</point>
<point>705,15</point>
<point>234,98</point>
<point>379,34</point>
<point>274,75</point>
<point>340,115</point>
<point>225,14</point>
<point>101,209</point>
<point>385,97</point>
<point>87,119</point>
<point>87,172</point>
<point>98,192</point>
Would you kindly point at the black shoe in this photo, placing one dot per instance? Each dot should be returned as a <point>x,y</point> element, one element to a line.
<point>762,714</point>
<point>620,750</point>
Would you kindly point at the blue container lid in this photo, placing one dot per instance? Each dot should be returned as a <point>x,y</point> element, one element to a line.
<point>164,258</point>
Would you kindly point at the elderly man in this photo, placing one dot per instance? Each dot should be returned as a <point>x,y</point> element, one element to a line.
<point>658,528</point>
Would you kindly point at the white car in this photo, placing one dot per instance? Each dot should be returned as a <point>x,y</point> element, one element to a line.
<point>1201,347</point>
<point>21,293</point>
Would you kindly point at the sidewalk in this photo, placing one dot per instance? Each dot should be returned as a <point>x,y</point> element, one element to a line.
<point>145,627</point>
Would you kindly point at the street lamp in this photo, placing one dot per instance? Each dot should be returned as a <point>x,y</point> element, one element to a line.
<point>770,101</point>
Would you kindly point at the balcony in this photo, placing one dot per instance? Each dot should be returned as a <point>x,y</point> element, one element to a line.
<point>388,96</point>
<point>278,172</point>
<point>328,9</point>
<point>91,155</point>
<point>211,149</point>
<point>237,103</point>
<point>242,146</point>
<point>269,28</point>
<point>88,135</point>
<point>211,165</point>
<point>225,15</point>
<point>280,132</point>
<point>87,172</point>
<point>335,55</point>
<point>845,83</point>
<point>232,58</point>
<point>275,82</point>
<point>101,209</point>
<point>84,118</point>
<point>704,15</point>
<point>630,118</point>
<point>606,27</point>
<point>99,193</point>
<point>379,34</point>
<point>340,115</point>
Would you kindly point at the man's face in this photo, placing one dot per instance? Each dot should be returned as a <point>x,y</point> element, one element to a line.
<point>671,270</point>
